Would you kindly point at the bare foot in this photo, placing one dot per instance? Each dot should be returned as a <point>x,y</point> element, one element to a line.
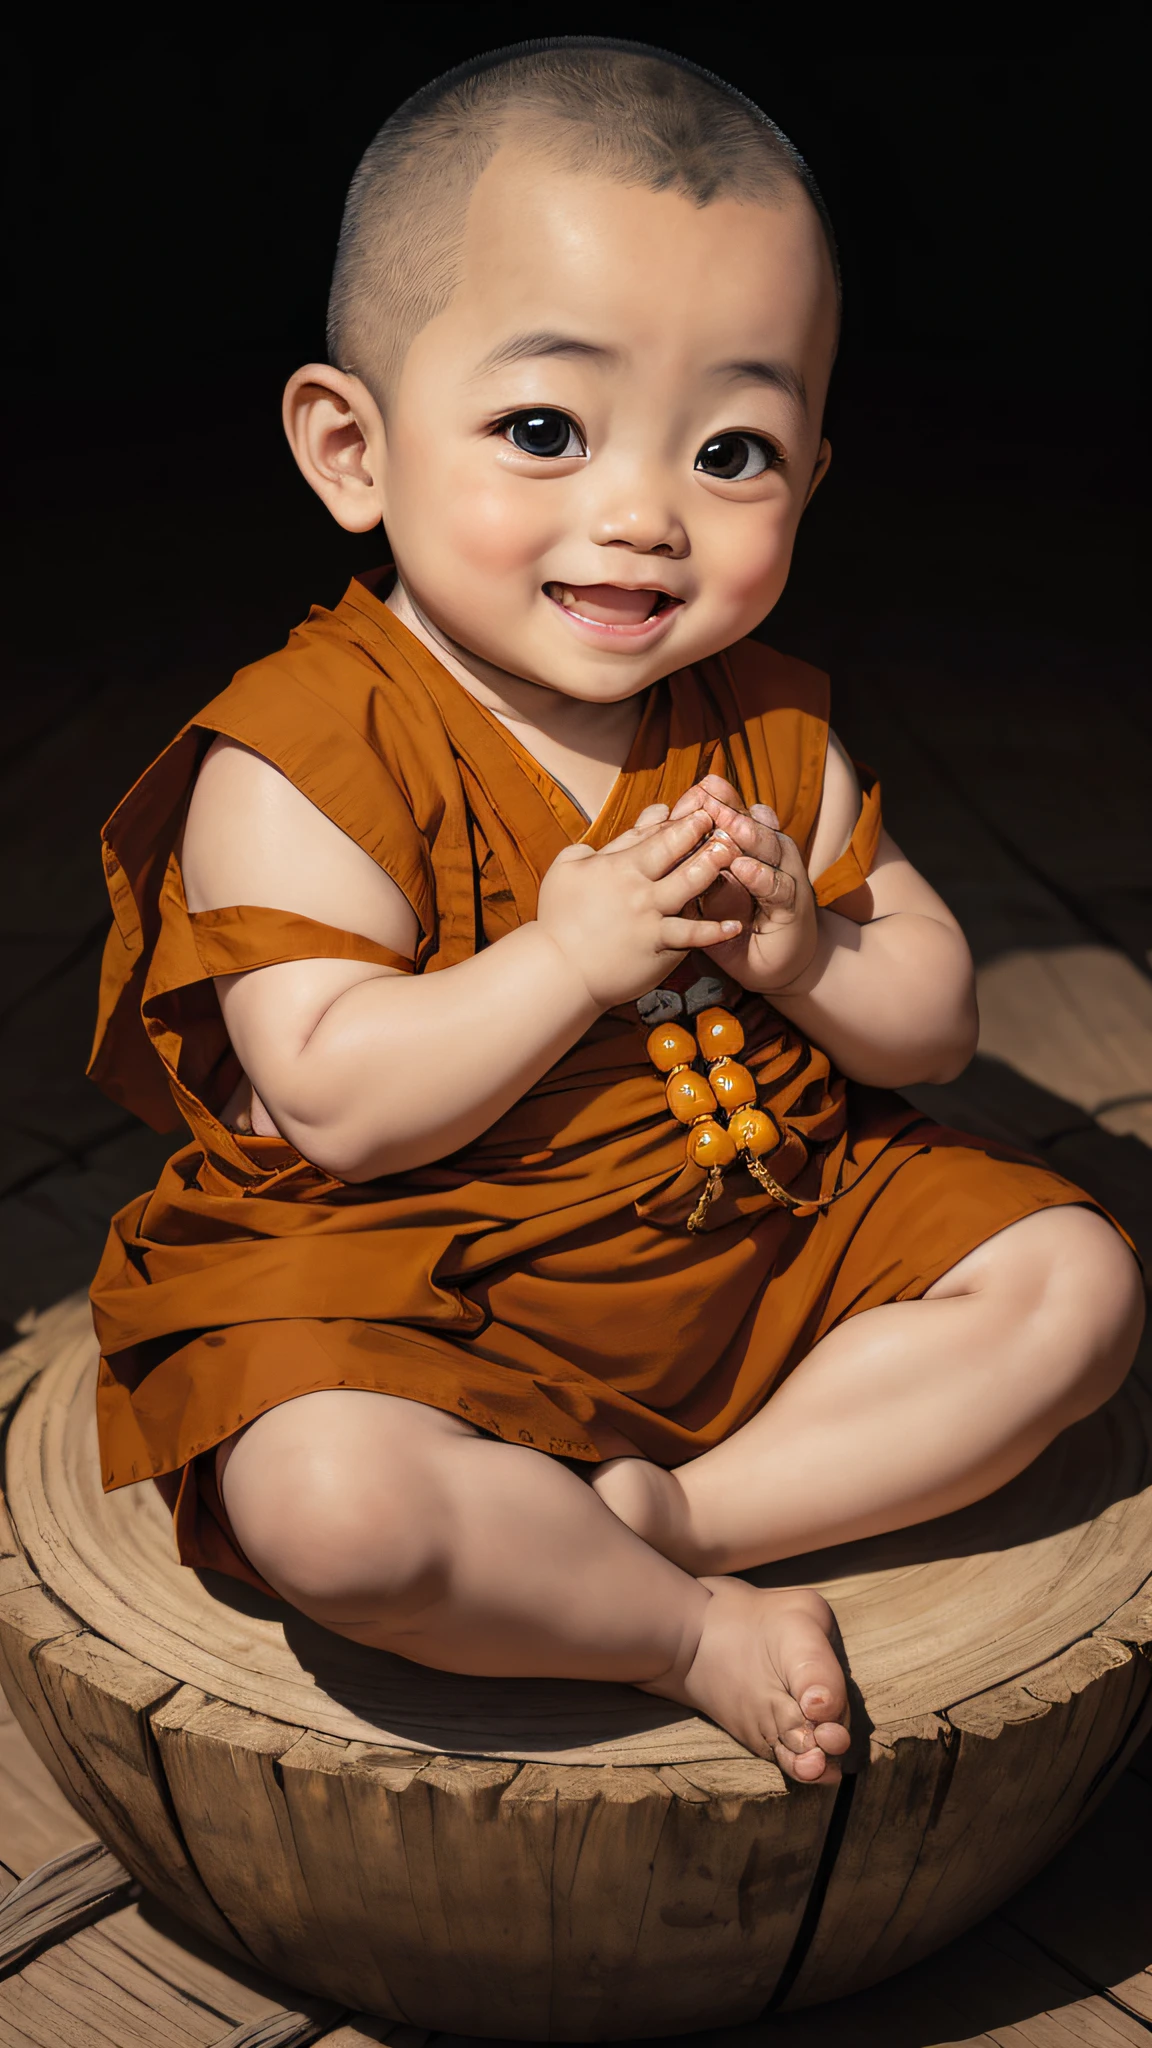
<point>765,1669</point>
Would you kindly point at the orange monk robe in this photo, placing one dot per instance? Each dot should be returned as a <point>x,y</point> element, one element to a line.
<point>541,1283</point>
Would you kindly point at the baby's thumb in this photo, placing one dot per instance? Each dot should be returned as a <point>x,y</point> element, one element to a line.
<point>765,815</point>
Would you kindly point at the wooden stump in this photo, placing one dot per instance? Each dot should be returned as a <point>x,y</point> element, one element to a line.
<point>539,1860</point>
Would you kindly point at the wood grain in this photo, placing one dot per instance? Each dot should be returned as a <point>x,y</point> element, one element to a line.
<point>730,1884</point>
<point>29,1619</point>
<point>345,1809</point>
<point>219,1762</point>
<point>136,1981</point>
<point>36,1821</point>
<point>63,1895</point>
<point>100,1700</point>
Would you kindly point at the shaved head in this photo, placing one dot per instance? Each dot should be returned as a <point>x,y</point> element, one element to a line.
<point>609,109</point>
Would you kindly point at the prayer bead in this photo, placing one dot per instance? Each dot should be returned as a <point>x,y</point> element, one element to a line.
<point>732,1083</point>
<point>754,1130</point>
<point>689,1096</point>
<point>725,1122</point>
<point>668,1046</point>
<point>720,1034</point>
<point>709,1145</point>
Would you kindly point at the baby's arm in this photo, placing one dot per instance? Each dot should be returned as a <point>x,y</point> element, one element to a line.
<point>368,1070</point>
<point>884,982</point>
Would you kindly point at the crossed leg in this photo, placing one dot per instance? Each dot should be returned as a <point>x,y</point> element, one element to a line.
<point>406,1529</point>
<point>908,1411</point>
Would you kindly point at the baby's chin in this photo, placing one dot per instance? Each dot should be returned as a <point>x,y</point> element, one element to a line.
<point>595,674</point>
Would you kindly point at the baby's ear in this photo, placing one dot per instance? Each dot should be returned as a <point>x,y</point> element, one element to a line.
<point>820,469</point>
<point>335,432</point>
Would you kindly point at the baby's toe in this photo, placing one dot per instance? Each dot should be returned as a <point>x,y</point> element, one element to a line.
<point>790,1728</point>
<point>796,1745</point>
<point>810,1767</point>
<point>832,1737</point>
<point>808,1664</point>
<point>821,1700</point>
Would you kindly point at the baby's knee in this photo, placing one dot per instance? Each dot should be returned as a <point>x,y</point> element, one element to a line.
<point>1115,1301</point>
<point>1090,1308</point>
<point>342,1539</point>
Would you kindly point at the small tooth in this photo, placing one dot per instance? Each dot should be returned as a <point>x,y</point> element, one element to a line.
<point>567,594</point>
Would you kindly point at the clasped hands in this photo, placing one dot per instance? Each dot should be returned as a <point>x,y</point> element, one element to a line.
<point>621,913</point>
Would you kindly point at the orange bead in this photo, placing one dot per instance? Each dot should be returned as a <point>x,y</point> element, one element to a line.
<point>689,1096</point>
<point>733,1084</point>
<point>709,1145</point>
<point>720,1034</point>
<point>754,1131</point>
<point>668,1046</point>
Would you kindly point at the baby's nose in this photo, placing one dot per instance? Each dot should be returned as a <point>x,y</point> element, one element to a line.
<point>646,529</point>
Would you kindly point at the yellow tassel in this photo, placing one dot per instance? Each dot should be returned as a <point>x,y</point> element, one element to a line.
<point>708,1194</point>
<point>801,1208</point>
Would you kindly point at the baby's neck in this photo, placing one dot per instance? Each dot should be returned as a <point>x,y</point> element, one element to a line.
<point>582,745</point>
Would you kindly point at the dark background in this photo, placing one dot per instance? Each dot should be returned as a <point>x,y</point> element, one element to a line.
<point>967,572</point>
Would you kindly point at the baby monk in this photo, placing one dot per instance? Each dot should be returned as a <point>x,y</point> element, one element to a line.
<point>531,971</point>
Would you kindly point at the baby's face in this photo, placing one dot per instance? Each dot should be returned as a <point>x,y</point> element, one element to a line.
<point>595,460</point>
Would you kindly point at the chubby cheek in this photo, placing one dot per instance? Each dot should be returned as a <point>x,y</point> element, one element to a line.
<point>459,525</point>
<point>742,563</point>
<point>501,526</point>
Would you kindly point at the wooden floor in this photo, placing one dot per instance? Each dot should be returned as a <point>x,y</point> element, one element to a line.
<point>1016,771</point>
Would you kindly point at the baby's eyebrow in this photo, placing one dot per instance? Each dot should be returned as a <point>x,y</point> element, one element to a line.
<point>519,347</point>
<point>781,377</point>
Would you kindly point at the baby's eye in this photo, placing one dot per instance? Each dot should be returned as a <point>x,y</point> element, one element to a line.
<point>735,457</point>
<point>545,432</point>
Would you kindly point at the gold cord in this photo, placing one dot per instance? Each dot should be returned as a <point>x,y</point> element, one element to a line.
<point>708,1194</point>
<point>759,1171</point>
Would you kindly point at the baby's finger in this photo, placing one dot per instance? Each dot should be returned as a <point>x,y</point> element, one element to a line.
<point>693,876</point>
<point>692,800</point>
<point>710,791</point>
<point>689,934</point>
<point>770,886</point>
<point>750,835</point>
<point>652,816</point>
<point>715,786</point>
<point>670,843</point>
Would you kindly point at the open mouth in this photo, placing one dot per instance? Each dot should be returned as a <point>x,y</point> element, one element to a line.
<point>606,604</point>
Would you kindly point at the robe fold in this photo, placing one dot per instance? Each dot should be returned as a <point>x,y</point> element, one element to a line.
<point>540,1283</point>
